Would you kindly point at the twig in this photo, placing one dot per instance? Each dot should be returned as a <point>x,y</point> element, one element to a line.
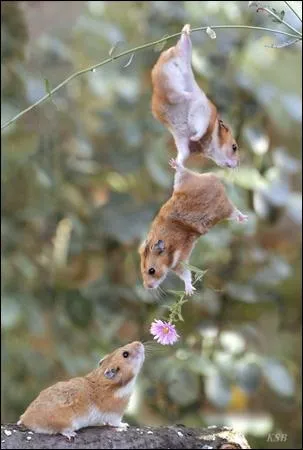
<point>271,11</point>
<point>293,10</point>
<point>284,44</point>
<point>134,50</point>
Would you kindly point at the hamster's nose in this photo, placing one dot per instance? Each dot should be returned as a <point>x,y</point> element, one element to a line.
<point>139,346</point>
<point>231,165</point>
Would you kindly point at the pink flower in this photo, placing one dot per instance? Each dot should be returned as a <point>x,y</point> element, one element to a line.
<point>164,332</point>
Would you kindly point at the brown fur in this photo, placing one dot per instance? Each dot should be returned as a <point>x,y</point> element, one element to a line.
<point>176,119</point>
<point>56,407</point>
<point>198,203</point>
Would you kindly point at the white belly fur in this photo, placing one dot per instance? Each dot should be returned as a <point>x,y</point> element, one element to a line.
<point>95,417</point>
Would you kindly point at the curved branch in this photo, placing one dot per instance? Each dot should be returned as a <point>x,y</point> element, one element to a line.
<point>280,20</point>
<point>127,52</point>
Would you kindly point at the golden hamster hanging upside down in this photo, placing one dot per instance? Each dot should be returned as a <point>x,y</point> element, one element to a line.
<point>180,105</point>
<point>99,398</point>
<point>198,202</point>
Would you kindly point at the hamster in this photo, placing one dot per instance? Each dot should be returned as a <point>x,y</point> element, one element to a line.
<point>180,105</point>
<point>198,202</point>
<point>99,398</point>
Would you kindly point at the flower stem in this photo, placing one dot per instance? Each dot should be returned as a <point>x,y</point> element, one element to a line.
<point>134,50</point>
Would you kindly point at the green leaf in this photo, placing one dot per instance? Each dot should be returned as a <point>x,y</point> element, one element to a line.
<point>47,86</point>
<point>48,90</point>
<point>175,292</point>
<point>129,61</point>
<point>180,317</point>
<point>113,48</point>
<point>194,269</point>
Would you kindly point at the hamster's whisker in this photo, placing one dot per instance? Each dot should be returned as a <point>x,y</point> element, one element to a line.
<point>162,290</point>
<point>153,293</point>
<point>152,347</point>
<point>158,294</point>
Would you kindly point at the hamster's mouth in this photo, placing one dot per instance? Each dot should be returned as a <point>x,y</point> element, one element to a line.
<point>139,357</point>
<point>231,164</point>
<point>224,164</point>
<point>155,283</point>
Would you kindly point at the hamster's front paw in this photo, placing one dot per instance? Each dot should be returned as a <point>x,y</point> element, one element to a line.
<point>122,426</point>
<point>69,434</point>
<point>189,290</point>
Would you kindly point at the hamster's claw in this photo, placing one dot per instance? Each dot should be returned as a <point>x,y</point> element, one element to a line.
<point>122,426</point>
<point>186,29</point>
<point>174,164</point>
<point>189,290</point>
<point>69,434</point>
<point>241,218</point>
<point>238,216</point>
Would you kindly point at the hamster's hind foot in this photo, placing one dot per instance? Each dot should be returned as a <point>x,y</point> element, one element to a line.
<point>186,29</point>
<point>175,164</point>
<point>238,216</point>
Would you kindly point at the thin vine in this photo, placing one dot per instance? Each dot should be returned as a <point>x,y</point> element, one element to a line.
<point>278,17</point>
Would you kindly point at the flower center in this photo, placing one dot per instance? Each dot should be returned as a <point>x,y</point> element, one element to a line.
<point>165,330</point>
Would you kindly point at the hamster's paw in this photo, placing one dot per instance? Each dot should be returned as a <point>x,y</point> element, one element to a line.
<point>238,216</point>
<point>69,434</point>
<point>241,218</point>
<point>189,290</point>
<point>174,164</point>
<point>186,29</point>
<point>122,426</point>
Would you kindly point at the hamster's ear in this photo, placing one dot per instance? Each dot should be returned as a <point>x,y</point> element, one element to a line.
<point>102,359</point>
<point>143,249</point>
<point>110,373</point>
<point>159,247</point>
<point>222,125</point>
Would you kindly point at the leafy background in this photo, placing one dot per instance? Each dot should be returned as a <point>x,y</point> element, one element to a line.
<point>84,174</point>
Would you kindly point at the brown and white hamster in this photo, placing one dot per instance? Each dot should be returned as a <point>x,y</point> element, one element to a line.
<point>99,398</point>
<point>180,105</point>
<point>198,202</point>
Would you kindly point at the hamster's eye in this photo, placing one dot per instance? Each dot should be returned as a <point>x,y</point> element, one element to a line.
<point>151,271</point>
<point>234,147</point>
<point>125,354</point>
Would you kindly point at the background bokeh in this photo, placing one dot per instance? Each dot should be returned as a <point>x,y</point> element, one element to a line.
<point>84,174</point>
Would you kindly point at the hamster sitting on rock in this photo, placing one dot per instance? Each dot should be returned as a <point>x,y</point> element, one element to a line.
<point>180,105</point>
<point>198,202</point>
<point>99,398</point>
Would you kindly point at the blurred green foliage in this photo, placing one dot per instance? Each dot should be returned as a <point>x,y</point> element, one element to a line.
<point>84,174</point>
